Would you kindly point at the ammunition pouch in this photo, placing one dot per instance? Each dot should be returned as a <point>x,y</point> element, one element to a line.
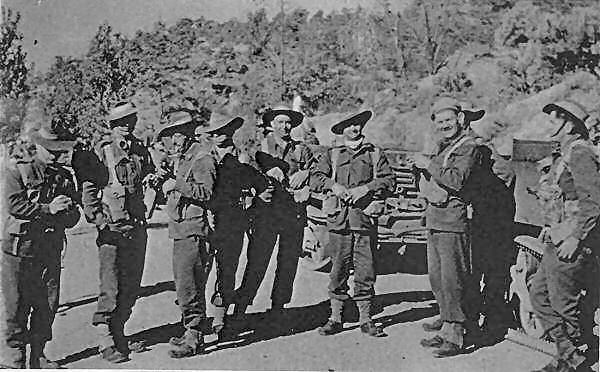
<point>113,198</point>
<point>334,210</point>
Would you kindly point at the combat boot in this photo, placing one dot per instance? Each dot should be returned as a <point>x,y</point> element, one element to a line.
<point>433,327</point>
<point>331,328</point>
<point>370,329</point>
<point>112,355</point>
<point>193,344</point>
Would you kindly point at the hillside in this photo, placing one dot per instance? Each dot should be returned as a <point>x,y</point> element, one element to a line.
<point>492,54</point>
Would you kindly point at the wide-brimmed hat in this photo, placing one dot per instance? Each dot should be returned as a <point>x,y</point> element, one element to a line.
<point>449,103</point>
<point>295,116</point>
<point>49,139</point>
<point>121,110</point>
<point>221,124</point>
<point>357,119</point>
<point>574,111</point>
<point>177,121</point>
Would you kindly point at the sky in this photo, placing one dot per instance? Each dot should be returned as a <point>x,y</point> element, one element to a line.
<point>65,27</point>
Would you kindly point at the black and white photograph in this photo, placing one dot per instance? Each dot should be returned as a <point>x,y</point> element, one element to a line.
<point>300,185</point>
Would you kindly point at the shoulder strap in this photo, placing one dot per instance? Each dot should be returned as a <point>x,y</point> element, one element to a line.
<point>335,154</point>
<point>111,164</point>
<point>375,154</point>
<point>453,148</point>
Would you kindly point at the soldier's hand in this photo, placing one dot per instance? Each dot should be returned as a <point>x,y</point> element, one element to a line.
<point>302,195</point>
<point>339,190</point>
<point>267,195</point>
<point>211,219</point>
<point>168,186</point>
<point>298,179</point>
<point>358,192</point>
<point>567,249</point>
<point>59,203</point>
<point>276,173</point>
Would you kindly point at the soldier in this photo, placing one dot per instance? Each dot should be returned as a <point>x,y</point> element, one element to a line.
<point>112,177</point>
<point>40,194</point>
<point>286,163</point>
<point>571,232</point>
<point>235,185</point>
<point>187,198</point>
<point>448,248</point>
<point>354,175</point>
<point>491,190</point>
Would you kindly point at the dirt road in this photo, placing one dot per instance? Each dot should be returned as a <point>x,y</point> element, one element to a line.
<point>404,302</point>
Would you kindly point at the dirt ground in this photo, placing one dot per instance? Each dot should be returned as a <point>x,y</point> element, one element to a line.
<point>404,301</point>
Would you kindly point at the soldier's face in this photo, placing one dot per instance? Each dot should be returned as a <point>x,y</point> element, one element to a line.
<point>559,120</point>
<point>282,125</point>
<point>446,124</point>
<point>352,132</point>
<point>178,140</point>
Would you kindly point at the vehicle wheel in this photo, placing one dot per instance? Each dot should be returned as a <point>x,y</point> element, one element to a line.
<point>529,322</point>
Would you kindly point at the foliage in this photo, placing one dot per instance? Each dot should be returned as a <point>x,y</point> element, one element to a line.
<point>394,62</point>
<point>13,76</point>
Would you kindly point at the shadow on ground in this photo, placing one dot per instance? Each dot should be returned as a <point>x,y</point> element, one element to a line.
<point>257,327</point>
<point>146,291</point>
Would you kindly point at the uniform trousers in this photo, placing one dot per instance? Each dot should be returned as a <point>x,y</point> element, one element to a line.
<point>192,262</point>
<point>555,292</point>
<point>352,249</point>
<point>30,290</point>
<point>121,257</point>
<point>449,266</point>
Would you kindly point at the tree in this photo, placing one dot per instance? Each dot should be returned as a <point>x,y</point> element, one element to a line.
<point>13,76</point>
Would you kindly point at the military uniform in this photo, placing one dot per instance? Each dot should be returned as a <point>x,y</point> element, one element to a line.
<point>113,200</point>
<point>234,182</point>
<point>283,218</point>
<point>448,246</point>
<point>572,197</point>
<point>32,242</point>
<point>189,228</point>
<point>490,193</point>
<point>353,235</point>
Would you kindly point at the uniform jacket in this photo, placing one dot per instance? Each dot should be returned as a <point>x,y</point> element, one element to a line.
<point>233,180</point>
<point>194,187</point>
<point>573,202</point>
<point>30,186</point>
<point>453,177</point>
<point>354,168</point>
<point>104,201</point>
